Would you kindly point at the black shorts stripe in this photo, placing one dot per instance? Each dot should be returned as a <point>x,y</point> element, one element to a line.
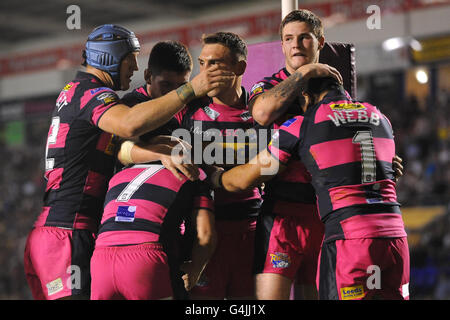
<point>327,277</point>
<point>83,245</point>
<point>264,227</point>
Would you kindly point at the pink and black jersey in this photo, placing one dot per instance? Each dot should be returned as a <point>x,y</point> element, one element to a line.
<point>268,83</point>
<point>207,121</point>
<point>294,184</point>
<point>80,157</point>
<point>140,95</point>
<point>348,147</point>
<point>146,203</point>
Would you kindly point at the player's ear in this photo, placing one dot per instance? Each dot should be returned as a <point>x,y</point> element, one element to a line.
<point>307,99</point>
<point>321,42</point>
<point>148,76</point>
<point>240,67</point>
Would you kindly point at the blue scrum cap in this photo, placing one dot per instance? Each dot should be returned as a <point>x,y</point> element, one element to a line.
<point>107,45</point>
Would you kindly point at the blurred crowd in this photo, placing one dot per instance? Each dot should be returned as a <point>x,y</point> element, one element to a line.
<point>22,186</point>
<point>422,134</point>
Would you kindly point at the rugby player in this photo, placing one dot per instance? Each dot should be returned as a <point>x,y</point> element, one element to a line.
<point>347,146</point>
<point>139,239</point>
<point>289,231</point>
<point>228,274</point>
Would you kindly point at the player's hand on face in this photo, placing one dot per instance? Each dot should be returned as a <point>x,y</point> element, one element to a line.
<point>319,70</point>
<point>178,161</point>
<point>212,79</point>
<point>398,167</point>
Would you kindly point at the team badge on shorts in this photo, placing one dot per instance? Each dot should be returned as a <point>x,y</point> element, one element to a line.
<point>280,260</point>
<point>54,286</point>
<point>350,293</point>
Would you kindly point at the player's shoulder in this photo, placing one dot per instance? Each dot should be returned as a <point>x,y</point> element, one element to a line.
<point>293,125</point>
<point>293,122</point>
<point>136,96</point>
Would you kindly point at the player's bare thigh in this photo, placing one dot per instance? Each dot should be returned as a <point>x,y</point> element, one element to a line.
<point>272,286</point>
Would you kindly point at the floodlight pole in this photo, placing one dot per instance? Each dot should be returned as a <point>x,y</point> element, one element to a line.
<point>288,6</point>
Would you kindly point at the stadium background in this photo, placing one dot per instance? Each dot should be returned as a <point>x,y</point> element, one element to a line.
<point>39,54</point>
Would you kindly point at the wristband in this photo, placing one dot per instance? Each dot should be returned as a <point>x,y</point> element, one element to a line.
<point>125,152</point>
<point>216,179</point>
<point>186,93</point>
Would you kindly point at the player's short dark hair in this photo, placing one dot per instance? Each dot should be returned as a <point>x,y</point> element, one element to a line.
<point>169,56</point>
<point>318,85</point>
<point>306,16</point>
<point>83,55</point>
<point>232,41</point>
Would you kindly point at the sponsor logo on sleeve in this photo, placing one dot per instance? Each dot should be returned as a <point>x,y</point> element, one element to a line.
<point>257,88</point>
<point>107,97</point>
<point>350,293</point>
<point>68,87</point>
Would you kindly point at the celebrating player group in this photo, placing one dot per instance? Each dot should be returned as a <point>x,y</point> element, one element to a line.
<point>311,214</point>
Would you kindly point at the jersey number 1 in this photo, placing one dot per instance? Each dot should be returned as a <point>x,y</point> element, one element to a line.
<point>368,157</point>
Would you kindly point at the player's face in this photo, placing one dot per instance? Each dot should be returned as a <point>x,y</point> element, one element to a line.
<point>300,46</point>
<point>127,67</point>
<point>167,81</point>
<point>217,54</point>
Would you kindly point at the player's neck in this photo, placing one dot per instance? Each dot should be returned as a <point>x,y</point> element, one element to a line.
<point>230,97</point>
<point>104,77</point>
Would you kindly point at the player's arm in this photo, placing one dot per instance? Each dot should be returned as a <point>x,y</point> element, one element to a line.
<point>270,105</point>
<point>260,169</point>
<point>160,148</point>
<point>203,248</point>
<point>129,122</point>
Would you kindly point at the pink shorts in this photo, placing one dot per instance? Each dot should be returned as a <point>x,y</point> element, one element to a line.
<point>56,262</point>
<point>356,269</point>
<point>134,272</point>
<point>229,271</point>
<point>289,245</point>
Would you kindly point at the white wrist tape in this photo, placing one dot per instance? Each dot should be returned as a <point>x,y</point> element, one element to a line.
<point>125,152</point>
